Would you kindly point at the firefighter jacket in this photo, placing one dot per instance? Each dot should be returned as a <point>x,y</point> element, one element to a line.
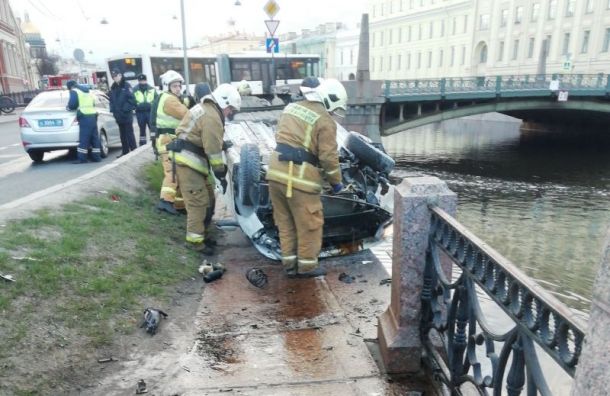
<point>170,112</point>
<point>306,125</point>
<point>202,128</point>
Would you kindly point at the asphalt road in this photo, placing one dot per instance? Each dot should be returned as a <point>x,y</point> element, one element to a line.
<point>19,176</point>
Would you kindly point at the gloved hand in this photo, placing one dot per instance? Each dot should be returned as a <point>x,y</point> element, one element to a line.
<point>223,184</point>
<point>337,188</point>
<point>154,147</point>
<point>222,173</point>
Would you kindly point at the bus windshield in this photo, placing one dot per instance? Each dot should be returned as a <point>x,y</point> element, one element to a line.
<point>130,68</point>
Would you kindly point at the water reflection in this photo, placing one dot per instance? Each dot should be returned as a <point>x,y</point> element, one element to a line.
<point>539,198</point>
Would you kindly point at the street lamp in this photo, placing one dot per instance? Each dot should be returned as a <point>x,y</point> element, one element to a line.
<point>237,3</point>
<point>187,77</point>
<point>104,21</point>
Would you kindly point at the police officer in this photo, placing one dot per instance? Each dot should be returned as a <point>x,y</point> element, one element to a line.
<point>145,96</point>
<point>169,112</point>
<point>83,102</point>
<point>306,149</point>
<point>197,152</point>
<point>122,104</point>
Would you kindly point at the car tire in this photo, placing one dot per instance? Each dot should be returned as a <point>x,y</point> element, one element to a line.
<point>103,144</point>
<point>368,154</point>
<point>36,155</point>
<point>249,174</point>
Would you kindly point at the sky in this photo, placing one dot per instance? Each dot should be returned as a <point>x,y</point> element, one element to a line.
<point>134,25</point>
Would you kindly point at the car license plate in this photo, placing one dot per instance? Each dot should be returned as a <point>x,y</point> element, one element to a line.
<point>50,123</point>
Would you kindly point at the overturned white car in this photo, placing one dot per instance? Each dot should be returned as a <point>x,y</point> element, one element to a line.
<point>353,220</point>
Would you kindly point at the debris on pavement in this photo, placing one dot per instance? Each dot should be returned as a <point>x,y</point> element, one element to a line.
<point>115,198</point>
<point>141,387</point>
<point>17,258</point>
<point>386,281</point>
<point>7,277</point>
<point>205,268</point>
<point>107,360</point>
<point>212,276</point>
<point>345,278</point>
<point>257,277</point>
<point>152,318</point>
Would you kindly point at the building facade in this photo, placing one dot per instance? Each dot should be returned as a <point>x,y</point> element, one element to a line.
<point>231,44</point>
<point>455,38</point>
<point>346,54</point>
<point>15,67</point>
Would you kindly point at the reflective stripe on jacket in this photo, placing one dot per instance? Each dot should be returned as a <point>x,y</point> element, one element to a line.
<point>306,125</point>
<point>144,97</point>
<point>167,121</point>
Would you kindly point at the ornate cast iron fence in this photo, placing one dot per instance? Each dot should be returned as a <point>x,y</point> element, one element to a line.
<point>454,328</point>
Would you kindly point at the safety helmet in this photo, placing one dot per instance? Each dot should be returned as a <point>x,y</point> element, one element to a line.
<point>141,77</point>
<point>244,88</point>
<point>170,77</point>
<point>202,89</point>
<point>334,96</point>
<point>70,84</point>
<point>226,95</point>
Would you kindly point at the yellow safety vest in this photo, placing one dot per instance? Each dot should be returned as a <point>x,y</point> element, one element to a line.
<point>86,102</point>
<point>144,98</point>
<point>165,121</point>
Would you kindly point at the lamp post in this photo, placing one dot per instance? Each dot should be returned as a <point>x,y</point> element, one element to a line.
<point>187,77</point>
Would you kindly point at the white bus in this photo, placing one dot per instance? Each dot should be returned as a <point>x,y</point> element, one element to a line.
<point>259,69</point>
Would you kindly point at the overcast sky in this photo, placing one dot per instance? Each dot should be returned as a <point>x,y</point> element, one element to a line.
<point>134,25</point>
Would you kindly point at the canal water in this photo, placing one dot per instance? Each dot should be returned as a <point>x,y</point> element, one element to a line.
<point>540,198</point>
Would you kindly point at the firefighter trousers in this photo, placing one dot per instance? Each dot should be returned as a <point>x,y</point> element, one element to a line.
<point>300,221</point>
<point>170,190</point>
<point>198,197</point>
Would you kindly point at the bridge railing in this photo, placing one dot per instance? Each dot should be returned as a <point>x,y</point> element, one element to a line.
<point>498,86</point>
<point>451,310</point>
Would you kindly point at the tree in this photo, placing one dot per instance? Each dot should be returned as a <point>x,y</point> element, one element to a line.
<point>47,65</point>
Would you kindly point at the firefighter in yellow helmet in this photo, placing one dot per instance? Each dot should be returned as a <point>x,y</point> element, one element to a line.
<point>306,151</point>
<point>169,112</point>
<point>198,151</point>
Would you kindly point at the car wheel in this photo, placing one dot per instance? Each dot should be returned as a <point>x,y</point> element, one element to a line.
<point>249,174</point>
<point>36,156</point>
<point>103,144</point>
<point>369,155</point>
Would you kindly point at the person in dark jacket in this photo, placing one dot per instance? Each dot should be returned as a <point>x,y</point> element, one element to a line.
<point>145,96</point>
<point>122,105</point>
<point>83,102</point>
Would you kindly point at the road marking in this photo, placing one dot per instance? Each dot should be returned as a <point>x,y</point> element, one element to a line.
<point>9,146</point>
<point>9,155</point>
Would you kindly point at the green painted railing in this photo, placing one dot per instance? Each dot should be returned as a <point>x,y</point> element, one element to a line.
<point>496,86</point>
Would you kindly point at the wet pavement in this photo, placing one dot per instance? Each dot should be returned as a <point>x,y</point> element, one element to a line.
<point>293,337</point>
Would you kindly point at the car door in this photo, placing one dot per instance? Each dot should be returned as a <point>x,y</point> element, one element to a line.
<point>106,119</point>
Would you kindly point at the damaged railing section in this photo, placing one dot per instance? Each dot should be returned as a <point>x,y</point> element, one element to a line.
<point>454,328</point>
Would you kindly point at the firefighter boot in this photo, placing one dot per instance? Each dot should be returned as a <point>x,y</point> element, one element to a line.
<point>166,206</point>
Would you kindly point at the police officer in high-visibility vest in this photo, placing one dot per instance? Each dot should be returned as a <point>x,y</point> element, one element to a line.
<point>145,96</point>
<point>198,152</point>
<point>306,151</point>
<point>169,112</point>
<point>83,102</point>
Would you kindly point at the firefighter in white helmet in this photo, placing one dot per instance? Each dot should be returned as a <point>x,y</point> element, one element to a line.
<point>306,151</point>
<point>197,153</point>
<point>169,112</point>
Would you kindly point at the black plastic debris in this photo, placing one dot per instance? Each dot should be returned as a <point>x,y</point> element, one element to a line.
<point>141,387</point>
<point>212,276</point>
<point>257,277</point>
<point>152,318</point>
<point>345,278</point>
<point>386,281</point>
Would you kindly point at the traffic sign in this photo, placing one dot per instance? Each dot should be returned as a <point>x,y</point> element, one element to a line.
<point>272,45</point>
<point>272,26</point>
<point>271,8</point>
<point>563,96</point>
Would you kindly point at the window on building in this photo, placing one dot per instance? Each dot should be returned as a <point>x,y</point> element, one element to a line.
<point>429,59</point>
<point>342,57</point>
<point>504,18</point>
<point>535,12</point>
<point>381,39</point>
<point>410,3</point>
<point>409,33</point>
<point>452,58</point>
<point>552,11</point>
<point>589,7</point>
<point>566,44</point>
<point>443,28</point>
<point>570,8</point>
<point>419,60</point>
<point>419,32</point>
<point>519,14</point>
<point>382,8</point>
<point>391,6</point>
<point>483,21</point>
<point>400,34</point>
<point>351,57</point>
<point>372,64</point>
<point>401,5</point>
<point>431,30</point>
<point>530,47</point>
<point>409,61</point>
<point>381,63</point>
<point>465,23</point>
<point>389,63</point>
<point>374,12</point>
<point>585,41</point>
<point>606,45</point>
<point>399,62</point>
<point>483,55</point>
<point>440,58</point>
<point>390,36</point>
<point>515,49</point>
<point>454,25</point>
<point>463,60</point>
<point>501,51</point>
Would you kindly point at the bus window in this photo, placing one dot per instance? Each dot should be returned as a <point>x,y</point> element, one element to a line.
<point>256,70</point>
<point>129,67</point>
<point>210,74</point>
<point>298,70</point>
<point>161,65</point>
<point>240,70</point>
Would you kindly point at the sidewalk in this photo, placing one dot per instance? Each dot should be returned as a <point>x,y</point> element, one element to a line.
<point>294,337</point>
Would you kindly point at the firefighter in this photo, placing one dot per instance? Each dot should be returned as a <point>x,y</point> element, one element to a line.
<point>145,96</point>
<point>83,102</point>
<point>197,152</point>
<point>306,150</point>
<point>169,112</point>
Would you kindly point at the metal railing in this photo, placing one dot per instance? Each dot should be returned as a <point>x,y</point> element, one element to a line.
<point>498,86</point>
<point>452,313</point>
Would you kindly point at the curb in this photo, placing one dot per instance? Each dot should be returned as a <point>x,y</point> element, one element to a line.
<point>87,176</point>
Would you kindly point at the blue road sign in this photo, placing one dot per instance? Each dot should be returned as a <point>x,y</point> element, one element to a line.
<point>272,45</point>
